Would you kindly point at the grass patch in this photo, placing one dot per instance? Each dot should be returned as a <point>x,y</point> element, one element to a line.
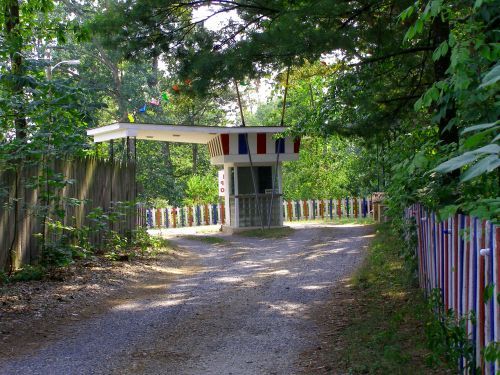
<point>385,323</point>
<point>344,220</point>
<point>267,233</point>
<point>212,240</point>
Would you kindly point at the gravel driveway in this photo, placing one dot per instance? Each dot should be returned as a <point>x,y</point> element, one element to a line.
<point>242,310</point>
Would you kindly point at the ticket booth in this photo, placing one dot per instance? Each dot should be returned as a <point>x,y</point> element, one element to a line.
<point>251,158</point>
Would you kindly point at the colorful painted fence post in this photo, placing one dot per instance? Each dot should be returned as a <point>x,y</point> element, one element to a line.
<point>461,257</point>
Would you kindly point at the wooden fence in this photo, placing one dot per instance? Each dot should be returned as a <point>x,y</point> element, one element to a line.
<point>461,257</point>
<point>100,183</point>
<point>213,214</point>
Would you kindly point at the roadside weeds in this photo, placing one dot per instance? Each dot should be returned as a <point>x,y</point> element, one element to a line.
<point>375,320</point>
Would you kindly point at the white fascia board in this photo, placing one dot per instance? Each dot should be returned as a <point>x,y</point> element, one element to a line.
<point>187,128</point>
<point>172,133</point>
<point>256,159</point>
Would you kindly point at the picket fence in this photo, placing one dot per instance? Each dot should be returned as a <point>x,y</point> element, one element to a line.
<point>313,209</point>
<point>461,257</point>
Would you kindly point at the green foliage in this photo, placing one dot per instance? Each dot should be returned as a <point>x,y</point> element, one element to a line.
<point>28,273</point>
<point>327,168</point>
<point>268,233</point>
<point>212,240</point>
<point>148,244</point>
<point>382,328</point>
<point>491,352</point>
<point>201,190</point>
<point>448,339</point>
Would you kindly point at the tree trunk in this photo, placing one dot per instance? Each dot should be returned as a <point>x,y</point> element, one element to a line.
<point>14,41</point>
<point>122,103</point>
<point>195,158</point>
<point>131,144</point>
<point>153,80</point>
<point>165,148</point>
<point>441,32</point>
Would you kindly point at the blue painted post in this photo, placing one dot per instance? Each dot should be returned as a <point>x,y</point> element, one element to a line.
<point>198,216</point>
<point>347,206</point>
<point>183,217</point>
<point>167,224</point>
<point>297,209</point>
<point>331,209</point>
<point>214,214</point>
<point>149,218</point>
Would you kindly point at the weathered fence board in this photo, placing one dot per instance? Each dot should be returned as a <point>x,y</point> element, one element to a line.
<point>461,257</point>
<point>100,183</point>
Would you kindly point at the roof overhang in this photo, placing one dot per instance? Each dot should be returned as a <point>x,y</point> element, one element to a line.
<point>173,133</point>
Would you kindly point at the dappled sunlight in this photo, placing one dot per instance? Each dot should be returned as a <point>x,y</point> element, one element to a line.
<point>286,308</point>
<point>399,295</point>
<point>168,303</point>
<point>155,286</point>
<point>128,306</point>
<point>302,262</point>
<point>274,272</point>
<point>229,279</point>
<point>315,287</point>
<point>321,254</point>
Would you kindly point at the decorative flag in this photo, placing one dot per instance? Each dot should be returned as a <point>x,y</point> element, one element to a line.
<point>154,101</point>
<point>142,109</point>
<point>131,118</point>
<point>165,96</point>
<point>175,88</point>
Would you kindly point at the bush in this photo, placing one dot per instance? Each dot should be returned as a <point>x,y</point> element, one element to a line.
<point>28,273</point>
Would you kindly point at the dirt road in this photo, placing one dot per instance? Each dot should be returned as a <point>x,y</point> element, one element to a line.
<point>241,309</point>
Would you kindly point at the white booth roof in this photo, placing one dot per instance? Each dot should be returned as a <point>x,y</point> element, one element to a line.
<point>173,133</point>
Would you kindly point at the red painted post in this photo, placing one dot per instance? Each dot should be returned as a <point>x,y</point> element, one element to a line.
<point>206,213</point>
<point>174,217</point>
<point>158,217</point>
<point>482,314</point>
<point>190,216</point>
<point>222,214</point>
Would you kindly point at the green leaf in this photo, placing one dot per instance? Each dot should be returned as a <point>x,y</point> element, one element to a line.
<point>447,211</point>
<point>486,165</point>
<point>456,162</point>
<point>440,51</point>
<point>475,139</point>
<point>488,149</point>
<point>406,13</point>
<point>491,77</point>
<point>489,292</point>
<point>480,127</point>
<point>418,104</point>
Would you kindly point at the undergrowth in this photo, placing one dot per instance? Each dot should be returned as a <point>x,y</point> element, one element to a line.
<point>344,220</point>
<point>385,332</point>
<point>138,243</point>
<point>212,240</point>
<point>267,233</point>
